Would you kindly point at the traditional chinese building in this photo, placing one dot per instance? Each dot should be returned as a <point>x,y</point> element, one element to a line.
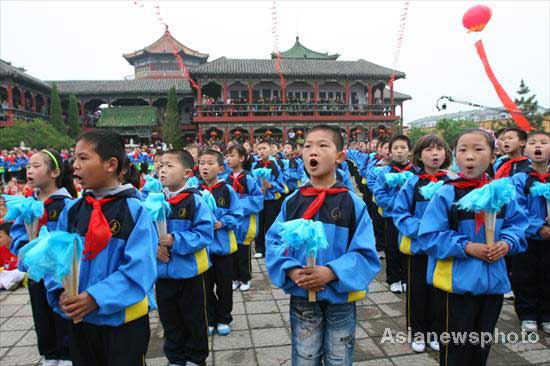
<point>235,97</point>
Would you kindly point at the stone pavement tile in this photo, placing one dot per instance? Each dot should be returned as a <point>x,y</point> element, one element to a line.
<point>274,356</point>
<point>368,312</point>
<point>238,308</point>
<point>279,294</point>
<point>502,356</point>
<point>157,361</point>
<point>393,309</point>
<point>21,356</point>
<point>270,337</point>
<point>421,359</point>
<point>235,357</point>
<point>376,286</point>
<point>237,296</point>
<point>25,310</point>
<point>20,323</point>
<point>366,349</point>
<point>377,327</point>
<point>360,332</point>
<point>29,339</point>
<point>383,297</point>
<point>239,322</point>
<point>284,309</point>
<point>286,317</point>
<point>236,340</point>
<point>537,357</point>
<point>7,311</point>
<point>364,301</point>
<point>8,339</point>
<point>283,302</point>
<point>3,351</point>
<point>544,339</point>
<point>401,321</point>
<point>257,295</point>
<point>377,362</point>
<point>394,348</point>
<point>524,346</point>
<point>16,299</point>
<point>265,320</point>
<point>261,307</point>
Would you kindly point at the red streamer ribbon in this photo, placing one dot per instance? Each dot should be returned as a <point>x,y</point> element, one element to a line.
<point>507,102</point>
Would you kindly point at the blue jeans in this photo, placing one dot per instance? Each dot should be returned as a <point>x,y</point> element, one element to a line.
<point>322,332</point>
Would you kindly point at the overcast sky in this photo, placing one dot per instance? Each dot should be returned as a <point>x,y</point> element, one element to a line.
<point>70,40</point>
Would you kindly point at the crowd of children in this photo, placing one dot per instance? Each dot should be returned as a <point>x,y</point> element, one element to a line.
<point>220,205</point>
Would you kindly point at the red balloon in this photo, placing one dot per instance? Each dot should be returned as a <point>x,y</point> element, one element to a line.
<point>476,18</point>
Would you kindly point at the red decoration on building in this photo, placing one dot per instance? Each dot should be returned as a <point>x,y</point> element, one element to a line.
<point>476,18</point>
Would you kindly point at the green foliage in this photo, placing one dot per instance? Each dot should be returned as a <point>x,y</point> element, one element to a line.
<point>37,134</point>
<point>529,106</point>
<point>73,120</point>
<point>171,131</point>
<point>450,130</point>
<point>415,133</point>
<point>56,114</point>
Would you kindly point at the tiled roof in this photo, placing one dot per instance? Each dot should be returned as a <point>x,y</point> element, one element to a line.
<point>164,45</point>
<point>301,52</point>
<point>128,117</point>
<point>294,68</point>
<point>396,95</point>
<point>8,70</point>
<point>105,87</point>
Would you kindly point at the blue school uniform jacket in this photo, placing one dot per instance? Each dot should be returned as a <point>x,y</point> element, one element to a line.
<point>343,177</point>
<point>191,224</point>
<point>121,277</point>
<point>408,209</point>
<point>53,207</point>
<point>351,253</point>
<point>230,213</point>
<point>383,193</point>
<point>534,207</point>
<point>251,200</point>
<point>296,174</point>
<point>277,189</point>
<point>444,233</point>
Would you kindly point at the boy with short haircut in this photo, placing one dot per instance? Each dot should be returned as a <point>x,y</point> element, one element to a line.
<point>295,169</point>
<point>513,141</point>
<point>194,150</point>
<point>272,190</point>
<point>228,215</point>
<point>344,269</point>
<point>117,269</point>
<point>531,276</point>
<point>182,260</point>
<point>399,147</point>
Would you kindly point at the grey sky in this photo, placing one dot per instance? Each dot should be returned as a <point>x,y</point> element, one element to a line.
<point>64,40</point>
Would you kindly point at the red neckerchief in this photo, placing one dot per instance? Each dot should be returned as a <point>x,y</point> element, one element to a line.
<point>541,177</point>
<point>265,163</point>
<point>432,177</point>
<point>378,157</point>
<point>464,183</point>
<point>237,186</point>
<point>399,170</point>
<point>44,219</point>
<point>506,168</point>
<point>321,194</point>
<point>212,188</point>
<point>98,234</point>
<point>178,198</point>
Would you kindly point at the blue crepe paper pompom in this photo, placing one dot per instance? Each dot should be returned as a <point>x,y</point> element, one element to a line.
<point>429,189</point>
<point>489,198</point>
<point>397,179</point>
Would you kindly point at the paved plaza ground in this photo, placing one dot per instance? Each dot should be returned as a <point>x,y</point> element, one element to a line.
<point>261,333</point>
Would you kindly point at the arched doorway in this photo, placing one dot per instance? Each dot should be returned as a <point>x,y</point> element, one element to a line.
<point>129,102</point>
<point>212,90</point>
<point>212,134</point>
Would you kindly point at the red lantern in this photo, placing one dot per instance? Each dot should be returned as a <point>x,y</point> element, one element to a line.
<point>476,18</point>
<point>357,131</point>
<point>268,132</point>
<point>299,132</point>
<point>237,133</point>
<point>213,134</point>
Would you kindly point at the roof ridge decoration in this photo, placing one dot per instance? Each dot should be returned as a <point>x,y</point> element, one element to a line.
<point>299,51</point>
<point>164,45</point>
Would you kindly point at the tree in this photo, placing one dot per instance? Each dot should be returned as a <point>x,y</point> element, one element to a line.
<point>56,114</point>
<point>415,133</point>
<point>529,106</point>
<point>73,121</point>
<point>450,129</point>
<point>37,134</point>
<point>171,131</point>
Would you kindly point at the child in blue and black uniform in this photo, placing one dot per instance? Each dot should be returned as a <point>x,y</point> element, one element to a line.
<point>52,181</point>
<point>469,275</point>
<point>182,260</point>
<point>513,142</point>
<point>251,200</point>
<point>399,147</point>
<point>344,269</point>
<point>273,191</point>
<point>430,155</point>
<point>531,277</point>
<point>118,267</point>
<point>228,216</point>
